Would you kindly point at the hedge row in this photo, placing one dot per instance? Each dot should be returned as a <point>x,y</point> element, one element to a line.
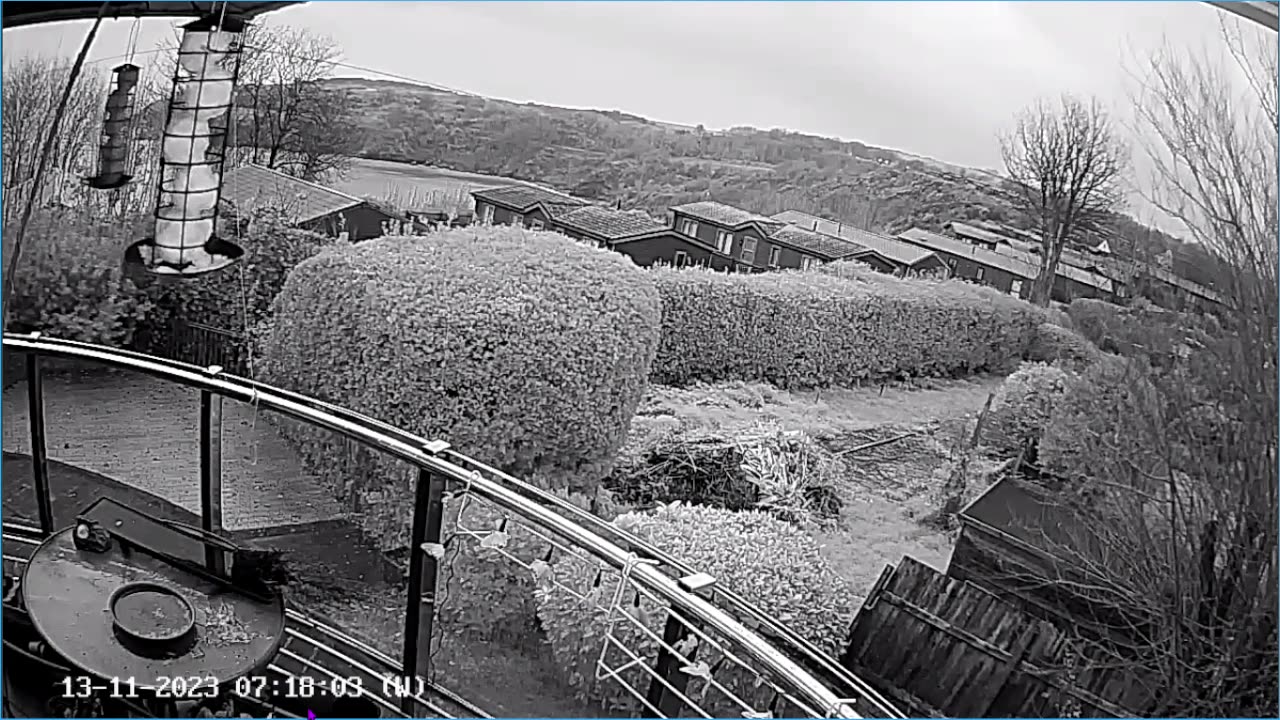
<point>815,329</point>
<point>520,348</point>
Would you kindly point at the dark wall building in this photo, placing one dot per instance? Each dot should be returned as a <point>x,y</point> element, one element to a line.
<point>880,252</point>
<point>763,243</point>
<point>525,205</point>
<point>645,240</point>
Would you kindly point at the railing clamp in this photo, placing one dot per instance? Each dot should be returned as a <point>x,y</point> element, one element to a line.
<point>435,447</point>
<point>213,370</point>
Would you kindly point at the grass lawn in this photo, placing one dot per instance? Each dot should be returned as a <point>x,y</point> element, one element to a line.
<point>890,487</point>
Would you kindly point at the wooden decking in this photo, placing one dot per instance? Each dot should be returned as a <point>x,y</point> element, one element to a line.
<point>145,433</point>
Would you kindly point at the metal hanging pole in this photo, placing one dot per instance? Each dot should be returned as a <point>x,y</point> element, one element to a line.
<point>43,162</point>
<point>425,554</point>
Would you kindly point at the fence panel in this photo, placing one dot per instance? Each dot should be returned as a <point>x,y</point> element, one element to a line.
<point>945,647</point>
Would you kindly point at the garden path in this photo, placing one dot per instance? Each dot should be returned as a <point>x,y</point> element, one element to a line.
<point>145,433</point>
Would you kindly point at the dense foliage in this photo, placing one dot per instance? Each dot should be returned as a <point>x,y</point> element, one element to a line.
<point>807,329</point>
<point>1024,406</point>
<point>239,299</point>
<point>70,283</point>
<point>770,563</point>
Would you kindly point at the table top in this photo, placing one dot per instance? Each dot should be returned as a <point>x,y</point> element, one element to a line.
<point>69,594</point>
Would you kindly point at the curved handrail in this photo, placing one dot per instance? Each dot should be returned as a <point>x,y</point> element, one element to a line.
<point>415,450</point>
<point>804,648</point>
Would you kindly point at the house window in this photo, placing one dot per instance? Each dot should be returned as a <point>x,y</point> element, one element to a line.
<point>1015,288</point>
<point>749,249</point>
<point>775,254</point>
<point>535,224</point>
<point>486,214</point>
<point>689,227</point>
<point>807,262</point>
<point>682,258</point>
<point>980,273</point>
<point>724,241</point>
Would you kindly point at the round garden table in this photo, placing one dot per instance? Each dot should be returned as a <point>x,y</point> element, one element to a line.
<point>124,614</point>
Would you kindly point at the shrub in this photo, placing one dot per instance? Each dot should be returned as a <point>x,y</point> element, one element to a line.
<point>771,563</point>
<point>525,350</point>
<point>813,329</point>
<point>1106,424</point>
<point>1053,343</point>
<point>1024,406</point>
<point>70,283</point>
<point>241,297</point>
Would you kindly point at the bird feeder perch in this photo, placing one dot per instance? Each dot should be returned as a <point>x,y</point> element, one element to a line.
<point>115,150</point>
<point>193,151</point>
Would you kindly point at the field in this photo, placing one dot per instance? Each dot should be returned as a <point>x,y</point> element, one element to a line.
<point>412,186</point>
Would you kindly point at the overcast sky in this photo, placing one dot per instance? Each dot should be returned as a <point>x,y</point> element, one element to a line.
<point>932,78</point>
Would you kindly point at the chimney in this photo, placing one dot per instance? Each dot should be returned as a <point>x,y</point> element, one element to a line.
<point>815,225</point>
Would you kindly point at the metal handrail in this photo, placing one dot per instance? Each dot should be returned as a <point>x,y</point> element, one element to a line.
<point>415,450</point>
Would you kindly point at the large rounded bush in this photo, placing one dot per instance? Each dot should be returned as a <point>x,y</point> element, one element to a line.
<point>524,350</point>
<point>1024,406</point>
<point>770,563</point>
<point>1053,343</point>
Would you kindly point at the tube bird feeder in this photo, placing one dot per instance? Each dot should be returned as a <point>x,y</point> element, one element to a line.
<point>193,150</point>
<point>115,150</point>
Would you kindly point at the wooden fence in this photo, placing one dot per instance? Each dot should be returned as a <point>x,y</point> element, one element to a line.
<point>946,648</point>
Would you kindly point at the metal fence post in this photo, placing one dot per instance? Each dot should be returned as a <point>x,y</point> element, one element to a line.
<point>211,472</point>
<point>39,441</point>
<point>662,698</point>
<point>425,553</point>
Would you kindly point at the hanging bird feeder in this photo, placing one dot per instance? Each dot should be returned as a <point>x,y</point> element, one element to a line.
<point>115,151</point>
<point>193,150</point>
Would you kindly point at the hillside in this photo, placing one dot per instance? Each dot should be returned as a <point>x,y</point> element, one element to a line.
<point>610,156</point>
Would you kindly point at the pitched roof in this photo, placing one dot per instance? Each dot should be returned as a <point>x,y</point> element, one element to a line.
<point>966,230</point>
<point>609,223</point>
<point>887,247</point>
<point>250,186</point>
<point>523,198</point>
<point>724,215</point>
<point>1010,260</point>
<point>827,246</point>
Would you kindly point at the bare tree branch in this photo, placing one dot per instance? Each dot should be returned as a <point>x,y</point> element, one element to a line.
<point>1066,164</point>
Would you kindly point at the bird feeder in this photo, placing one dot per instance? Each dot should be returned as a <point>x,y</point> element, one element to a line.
<point>193,150</point>
<point>115,150</point>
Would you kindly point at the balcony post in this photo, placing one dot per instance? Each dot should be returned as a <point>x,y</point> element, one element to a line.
<point>39,440</point>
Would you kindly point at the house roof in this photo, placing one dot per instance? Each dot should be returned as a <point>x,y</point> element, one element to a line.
<point>724,215</point>
<point>609,223</point>
<point>891,249</point>
<point>829,247</point>
<point>966,230</point>
<point>523,198</point>
<point>249,186</point>
<point>1015,262</point>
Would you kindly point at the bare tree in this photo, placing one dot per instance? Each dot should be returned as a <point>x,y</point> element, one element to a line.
<point>1066,164</point>
<point>31,91</point>
<point>286,119</point>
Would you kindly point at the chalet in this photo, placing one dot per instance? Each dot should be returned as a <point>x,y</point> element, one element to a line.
<point>307,205</point>
<point>1009,271</point>
<point>637,235</point>
<point>742,235</point>
<point>987,239</point>
<point>881,252</point>
<point>525,205</point>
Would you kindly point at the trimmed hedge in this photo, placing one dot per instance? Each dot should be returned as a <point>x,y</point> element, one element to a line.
<point>772,564</point>
<point>524,350</point>
<point>815,329</point>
